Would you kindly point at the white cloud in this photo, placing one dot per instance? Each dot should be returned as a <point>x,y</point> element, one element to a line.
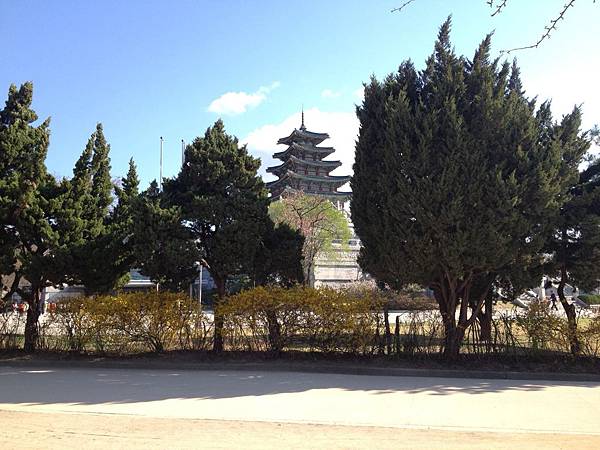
<point>359,94</point>
<point>328,93</point>
<point>342,128</point>
<point>233,103</point>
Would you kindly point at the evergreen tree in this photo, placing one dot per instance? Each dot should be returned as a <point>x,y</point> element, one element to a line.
<point>161,245</point>
<point>31,214</point>
<point>223,204</point>
<point>574,241</point>
<point>451,185</point>
<point>99,260</point>
<point>279,257</point>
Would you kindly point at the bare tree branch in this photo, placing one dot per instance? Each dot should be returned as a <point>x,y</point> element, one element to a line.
<point>398,9</point>
<point>551,27</point>
<point>499,7</point>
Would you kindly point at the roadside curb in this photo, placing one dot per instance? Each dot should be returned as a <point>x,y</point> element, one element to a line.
<point>305,367</point>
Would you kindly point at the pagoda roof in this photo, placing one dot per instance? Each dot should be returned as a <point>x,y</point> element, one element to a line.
<point>303,134</point>
<point>333,195</point>
<point>303,162</point>
<point>339,180</point>
<point>295,147</point>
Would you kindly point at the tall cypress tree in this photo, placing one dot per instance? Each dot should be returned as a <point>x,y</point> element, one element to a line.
<point>96,260</point>
<point>451,184</point>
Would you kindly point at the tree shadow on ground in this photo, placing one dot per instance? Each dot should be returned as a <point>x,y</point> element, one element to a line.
<point>20,385</point>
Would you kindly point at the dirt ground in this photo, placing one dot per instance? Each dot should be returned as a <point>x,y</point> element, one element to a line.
<point>24,430</point>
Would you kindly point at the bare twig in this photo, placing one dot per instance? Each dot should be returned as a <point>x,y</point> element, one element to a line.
<point>499,8</point>
<point>551,27</point>
<point>398,9</point>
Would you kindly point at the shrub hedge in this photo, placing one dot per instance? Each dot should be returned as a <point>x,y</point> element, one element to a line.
<point>590,299</point>
<point>274,319</point>
<point>126,323</point>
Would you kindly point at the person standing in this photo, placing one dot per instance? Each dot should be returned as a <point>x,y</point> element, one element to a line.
<point>553,300</point>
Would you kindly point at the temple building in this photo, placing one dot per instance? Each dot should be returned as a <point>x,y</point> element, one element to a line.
<point>304,169</point>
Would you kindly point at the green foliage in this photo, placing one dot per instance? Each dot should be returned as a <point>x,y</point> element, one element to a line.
<point>319,222</point>
<point>590,299</point>
<point>454,181</point>
<point>544,330</point>
<point>161,244</point>
<point>100,260</point>
<point>575,240</point>
<point>223,206</point>
<point>279,257</point>
<point>222,201</point>
<point>31,214</point>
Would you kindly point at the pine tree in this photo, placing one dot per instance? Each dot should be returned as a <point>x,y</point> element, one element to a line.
<point>162,247</point>
<point>223,204</point>
<point>32,219</point>
<point>452,186</point>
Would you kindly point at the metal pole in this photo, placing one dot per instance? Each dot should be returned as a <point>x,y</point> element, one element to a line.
<point>161,163</point>
<point>182,152</point>
<point>200,287</point>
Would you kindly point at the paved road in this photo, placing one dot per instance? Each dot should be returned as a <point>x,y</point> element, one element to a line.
<point>127,408</point>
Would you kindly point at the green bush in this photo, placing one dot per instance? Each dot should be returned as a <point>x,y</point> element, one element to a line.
<point>590,337</point>
<point>543,329</point>
<point>590,299</point>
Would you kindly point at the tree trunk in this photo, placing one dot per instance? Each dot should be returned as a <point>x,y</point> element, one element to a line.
<point>308,279</point>
<point>397,335</point>
<point>453,334</point>
<point>32,329</point>
<point>571,313</point>
<point>218,318</point>
<point>485,321</point>
<point>452,340</point>
<point>274,332</point>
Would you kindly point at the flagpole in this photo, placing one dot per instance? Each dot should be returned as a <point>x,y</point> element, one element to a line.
<point>182,152</point>
<point>161,163</point>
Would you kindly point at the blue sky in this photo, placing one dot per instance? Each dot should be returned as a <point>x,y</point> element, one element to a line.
<point>147,69</point>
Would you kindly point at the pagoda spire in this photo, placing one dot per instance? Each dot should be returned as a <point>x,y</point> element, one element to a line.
<point>303,167</point>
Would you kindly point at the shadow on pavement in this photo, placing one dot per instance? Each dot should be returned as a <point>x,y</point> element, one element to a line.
<point>95,386</point>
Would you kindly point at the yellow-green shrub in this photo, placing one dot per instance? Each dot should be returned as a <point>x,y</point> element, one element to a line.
<point>274,319</point>
<point>590,337</point>
<point>543,329</point>
<point>131,322</point>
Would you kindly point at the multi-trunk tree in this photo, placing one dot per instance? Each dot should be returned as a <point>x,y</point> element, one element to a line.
<point>452,185</point>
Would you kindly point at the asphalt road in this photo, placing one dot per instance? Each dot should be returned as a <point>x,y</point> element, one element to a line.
<point>134,408</point>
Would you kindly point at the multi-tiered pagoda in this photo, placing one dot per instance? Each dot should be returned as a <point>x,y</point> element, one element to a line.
<point>303,168</point>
